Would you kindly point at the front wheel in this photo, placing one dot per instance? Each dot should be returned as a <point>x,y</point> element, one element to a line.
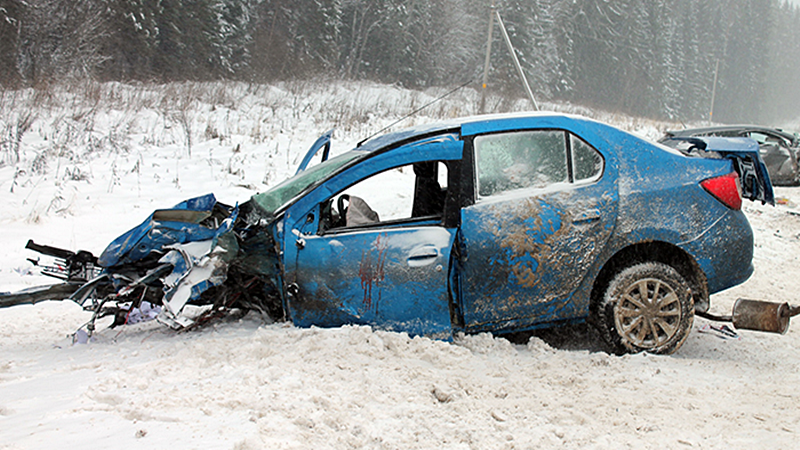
<point>647,307</point>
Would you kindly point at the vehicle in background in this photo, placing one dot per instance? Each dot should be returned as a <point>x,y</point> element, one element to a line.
<point>779,149</point>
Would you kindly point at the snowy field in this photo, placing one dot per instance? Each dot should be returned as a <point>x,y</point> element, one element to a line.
<point>83,165</point>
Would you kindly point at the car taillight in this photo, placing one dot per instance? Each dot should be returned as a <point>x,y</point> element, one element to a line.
<point>726,189</point>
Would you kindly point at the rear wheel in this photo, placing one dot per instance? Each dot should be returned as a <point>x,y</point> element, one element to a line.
<point>647,307</point>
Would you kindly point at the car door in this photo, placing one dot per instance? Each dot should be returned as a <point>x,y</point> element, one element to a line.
<point>388,269</point>
<point>544,208</point>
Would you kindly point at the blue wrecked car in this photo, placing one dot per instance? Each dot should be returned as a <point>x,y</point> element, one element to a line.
<point>486,224</point>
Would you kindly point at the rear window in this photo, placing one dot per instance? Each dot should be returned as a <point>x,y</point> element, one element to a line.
<point>529,159</point>
<point>533,159</point>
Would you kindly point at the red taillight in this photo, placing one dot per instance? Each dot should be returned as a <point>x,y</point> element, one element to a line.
<point>726,189</point>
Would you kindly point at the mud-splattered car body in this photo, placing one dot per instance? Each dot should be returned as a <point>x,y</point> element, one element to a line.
<point>506,223</point>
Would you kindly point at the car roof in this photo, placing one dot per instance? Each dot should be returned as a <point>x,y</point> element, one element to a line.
<point>473,123</point>
<point>407,134</point>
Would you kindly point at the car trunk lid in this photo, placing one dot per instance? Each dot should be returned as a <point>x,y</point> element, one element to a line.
<point>744,153</point>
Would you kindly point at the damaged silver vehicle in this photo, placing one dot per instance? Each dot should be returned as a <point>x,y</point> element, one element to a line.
<point>779,149</point>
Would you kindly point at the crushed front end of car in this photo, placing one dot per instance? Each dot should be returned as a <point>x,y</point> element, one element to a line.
<point>199,252</point>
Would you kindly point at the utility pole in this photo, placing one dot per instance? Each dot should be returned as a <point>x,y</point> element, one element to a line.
<point>516,62</point>
<point>486,61</point>
<point>494,13</point>
<point>713,94</point>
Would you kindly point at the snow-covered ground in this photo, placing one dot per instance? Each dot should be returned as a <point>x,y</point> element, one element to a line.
<point>96,160</point>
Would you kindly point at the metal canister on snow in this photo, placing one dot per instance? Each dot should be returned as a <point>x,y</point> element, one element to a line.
<point>762,316</point>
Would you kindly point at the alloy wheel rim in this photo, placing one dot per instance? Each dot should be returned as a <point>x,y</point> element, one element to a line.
<point>648,313</point>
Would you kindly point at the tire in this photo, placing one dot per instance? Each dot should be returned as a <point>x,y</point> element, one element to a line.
<point>646,307</point>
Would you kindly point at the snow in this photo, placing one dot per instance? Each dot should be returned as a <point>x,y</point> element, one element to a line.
<point>245,384</point>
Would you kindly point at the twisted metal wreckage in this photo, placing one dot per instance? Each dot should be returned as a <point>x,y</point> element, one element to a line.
<point>188,254</point>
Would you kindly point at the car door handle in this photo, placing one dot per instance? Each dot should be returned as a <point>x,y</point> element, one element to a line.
<point>423,256</point>
<point>590,215</point>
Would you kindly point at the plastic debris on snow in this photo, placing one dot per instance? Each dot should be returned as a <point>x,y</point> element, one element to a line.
<point>720,331</point>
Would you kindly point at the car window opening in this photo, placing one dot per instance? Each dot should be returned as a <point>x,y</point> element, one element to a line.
<point>533,159</point>
<point>400,195</point>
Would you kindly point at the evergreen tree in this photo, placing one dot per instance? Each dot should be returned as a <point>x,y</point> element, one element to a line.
<point>233,47</point>
<point>646,57</point>
<point>10,22</point>
<point>131,44</point>
<point>187,41</point>
<point>294,38</point>
<point>58,39</point>
<point>451,48</point>
<point>743,72</point>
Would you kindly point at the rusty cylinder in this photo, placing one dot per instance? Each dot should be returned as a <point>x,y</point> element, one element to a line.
<point>761,316</point>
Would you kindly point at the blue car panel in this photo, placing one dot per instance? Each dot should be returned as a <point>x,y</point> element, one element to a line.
<point>179,224</point>
<point>322,143</point>
<point>525,259</point>
<point>395,279</point>
<point>528,250</point>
